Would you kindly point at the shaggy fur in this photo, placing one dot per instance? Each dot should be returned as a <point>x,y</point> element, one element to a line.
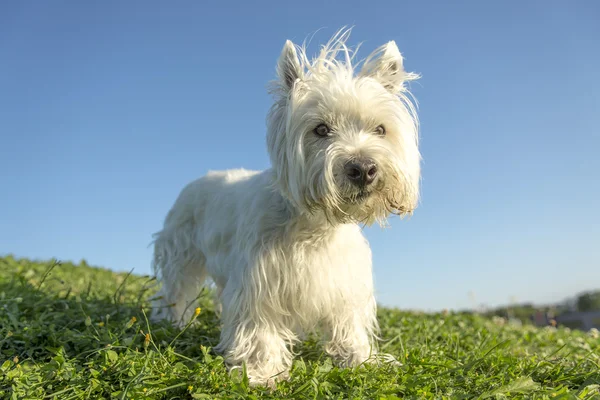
<point>284,246</point>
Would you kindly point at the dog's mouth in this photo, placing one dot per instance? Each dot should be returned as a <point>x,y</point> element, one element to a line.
<point>357,198</point>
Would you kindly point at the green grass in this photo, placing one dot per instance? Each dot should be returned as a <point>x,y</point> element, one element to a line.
<point>73,332</point>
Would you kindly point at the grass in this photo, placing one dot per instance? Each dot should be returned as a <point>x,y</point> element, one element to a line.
<point>75,332</point>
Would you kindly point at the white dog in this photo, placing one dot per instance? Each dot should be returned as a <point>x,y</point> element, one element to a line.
<point>284,246</point>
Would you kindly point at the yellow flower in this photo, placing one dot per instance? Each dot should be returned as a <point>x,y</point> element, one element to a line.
<point>131,322</point>
<point>197,311</point>
<point>146,340</point>
<point>101,323</point>
<point>145,390</point>
<point>190,388</point>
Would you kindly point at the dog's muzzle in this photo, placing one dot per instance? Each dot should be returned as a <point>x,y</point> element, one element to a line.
<point>362,172</point>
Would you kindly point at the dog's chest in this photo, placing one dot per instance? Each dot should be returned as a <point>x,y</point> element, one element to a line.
<point>323,270</point>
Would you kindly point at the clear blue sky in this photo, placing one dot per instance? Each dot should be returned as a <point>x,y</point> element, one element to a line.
<point>108,109</point>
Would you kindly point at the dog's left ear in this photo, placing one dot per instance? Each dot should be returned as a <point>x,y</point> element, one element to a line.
<point>288,66</point>
<point>386,65</point>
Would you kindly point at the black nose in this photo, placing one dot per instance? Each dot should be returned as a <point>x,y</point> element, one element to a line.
<point>361,171</point>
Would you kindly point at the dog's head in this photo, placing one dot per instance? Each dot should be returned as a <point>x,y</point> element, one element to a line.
<point>345,139</point>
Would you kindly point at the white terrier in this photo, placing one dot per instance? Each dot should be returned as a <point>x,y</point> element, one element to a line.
<point>284,246</point>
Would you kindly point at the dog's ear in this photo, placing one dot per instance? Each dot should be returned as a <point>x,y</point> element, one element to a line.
<point>386,66</point>
<point>288,66</point>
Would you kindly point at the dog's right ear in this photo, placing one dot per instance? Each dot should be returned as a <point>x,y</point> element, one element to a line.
<point>288,66</point>
<point>386,65</point>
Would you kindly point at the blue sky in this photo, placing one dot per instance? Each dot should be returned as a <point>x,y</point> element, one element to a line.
<point>108,109</point>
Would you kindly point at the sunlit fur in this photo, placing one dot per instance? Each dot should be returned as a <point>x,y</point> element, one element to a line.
<point>284,246</point>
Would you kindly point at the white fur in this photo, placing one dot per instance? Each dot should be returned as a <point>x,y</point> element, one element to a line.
<point>284,246</point>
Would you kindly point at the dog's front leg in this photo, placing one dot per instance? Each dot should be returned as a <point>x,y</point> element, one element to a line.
<point>253,335</point>
<point>352,334</point>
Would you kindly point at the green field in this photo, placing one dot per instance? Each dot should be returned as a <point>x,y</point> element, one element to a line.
<point>76,332</point>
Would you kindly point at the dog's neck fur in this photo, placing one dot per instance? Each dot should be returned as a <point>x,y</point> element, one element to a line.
<point>315,223</point>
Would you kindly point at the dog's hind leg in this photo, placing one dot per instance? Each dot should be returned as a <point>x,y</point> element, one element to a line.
<point>181,269</point>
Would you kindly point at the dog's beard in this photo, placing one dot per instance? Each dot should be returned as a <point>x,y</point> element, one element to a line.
<point>359,197</point>
<point>345,203</point>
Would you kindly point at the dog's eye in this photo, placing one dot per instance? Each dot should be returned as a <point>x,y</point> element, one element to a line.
<point>322,130</point>
<point>380,130</point>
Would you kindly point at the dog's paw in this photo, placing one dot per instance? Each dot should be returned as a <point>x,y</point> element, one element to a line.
<point>256,378</point>
<point>385,358</point>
